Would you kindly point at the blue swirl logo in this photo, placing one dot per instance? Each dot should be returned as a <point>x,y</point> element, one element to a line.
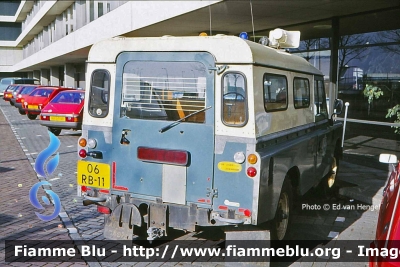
<point>50,168</point>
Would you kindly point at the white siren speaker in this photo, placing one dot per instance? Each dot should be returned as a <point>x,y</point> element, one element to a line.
<point>284,39</point>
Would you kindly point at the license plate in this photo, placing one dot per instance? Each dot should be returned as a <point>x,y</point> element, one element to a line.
<point>55,118</point>
<point>93,174</point>
<point>33,106</point>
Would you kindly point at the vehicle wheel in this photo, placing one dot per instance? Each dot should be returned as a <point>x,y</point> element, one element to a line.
<point>55,131</point>
<point>329,183</point>
<point>22,112</point>
<point>11,103</point>
<point>332,175</point>
<point>281,223</point>
<point>32,116</point>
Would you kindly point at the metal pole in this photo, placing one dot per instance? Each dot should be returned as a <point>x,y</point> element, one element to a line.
<point>345,118</point>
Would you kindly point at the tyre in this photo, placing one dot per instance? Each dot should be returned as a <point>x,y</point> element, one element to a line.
<point>32,116</point>
<point>55,131</point>
<point>281,223</point>
<point>22,112</point>
<point>11,103</point>
<point>328,186</point>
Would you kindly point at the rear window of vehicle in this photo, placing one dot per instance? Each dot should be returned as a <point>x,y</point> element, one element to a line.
<point>42,92</point>
<point>26,81</point>
<point>69,98</point>
<point>27,90</point>
<point>17,88</point>
<point>6,81</point>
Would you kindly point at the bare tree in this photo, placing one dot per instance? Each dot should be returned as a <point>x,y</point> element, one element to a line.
<point>308,45</point>
<point>351,47</point>
<point>392,36</point>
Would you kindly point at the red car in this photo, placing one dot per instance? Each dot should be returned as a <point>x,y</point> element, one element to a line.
<point>38,99</point>
<point>388,229</point>
<point>9,92</point>
<point>23,92</point>
<point>64,111</point>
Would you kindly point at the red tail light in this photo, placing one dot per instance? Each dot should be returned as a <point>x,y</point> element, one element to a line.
<point>82,153</point>
<point>247,213</point>
<point>103,210</point>
<point>71,119</point>
<point>251,172</point>
<point>44,118</point>
<point>177,157</point>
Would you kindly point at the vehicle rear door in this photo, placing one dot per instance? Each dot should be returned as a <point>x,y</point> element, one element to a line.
<point>163,133</point>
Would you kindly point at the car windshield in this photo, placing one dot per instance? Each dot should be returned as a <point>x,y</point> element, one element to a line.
<point>45,92</point>
<point>69,98</point>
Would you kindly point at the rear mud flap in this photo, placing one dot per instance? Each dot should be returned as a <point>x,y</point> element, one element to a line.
<point>119,225</point>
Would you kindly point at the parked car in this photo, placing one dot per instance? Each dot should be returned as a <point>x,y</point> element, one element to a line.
<point>5,82</point>
<point>38,99</point>
<point>11,97</point>
<point>64,111</point>
<point>19,98</point>
<point>388,227</point>
<point>8,93</point>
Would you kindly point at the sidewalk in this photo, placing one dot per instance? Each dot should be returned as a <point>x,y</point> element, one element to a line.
<point>17,215</point>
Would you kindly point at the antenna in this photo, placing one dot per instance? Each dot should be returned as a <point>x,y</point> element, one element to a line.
<point>252,20</point>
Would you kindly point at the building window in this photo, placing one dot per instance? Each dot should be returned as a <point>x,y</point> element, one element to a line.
<point>91,10</point>
<point>100,9</point>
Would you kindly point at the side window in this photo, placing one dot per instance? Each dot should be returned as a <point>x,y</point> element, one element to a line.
<point>275,92</point>
<point>234,99</point>
<point>99,93</point>
<point>320,107</point>
<point>301,93</point>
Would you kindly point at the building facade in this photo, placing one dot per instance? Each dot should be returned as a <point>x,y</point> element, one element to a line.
<point>50,40</point>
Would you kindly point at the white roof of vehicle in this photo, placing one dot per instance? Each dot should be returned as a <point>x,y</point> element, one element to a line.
<point>226,50</point>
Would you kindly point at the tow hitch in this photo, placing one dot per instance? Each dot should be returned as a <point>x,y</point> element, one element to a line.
<point>154,232</point>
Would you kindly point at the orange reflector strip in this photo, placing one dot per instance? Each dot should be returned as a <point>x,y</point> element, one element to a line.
<point>223,207</point>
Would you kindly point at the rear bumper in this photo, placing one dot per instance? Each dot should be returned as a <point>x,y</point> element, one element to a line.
<point>62,124</point>
<point>185,217</point>
<point>32,111</point>
<point>19,106</point>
